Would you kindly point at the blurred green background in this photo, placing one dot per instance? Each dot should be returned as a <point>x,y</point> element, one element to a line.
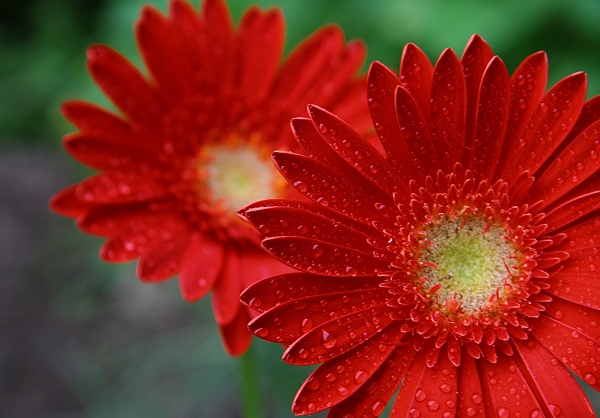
<point>80,338</point>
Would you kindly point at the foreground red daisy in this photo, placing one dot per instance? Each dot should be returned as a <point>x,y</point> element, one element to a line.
<point>193,145</point>
<point>460,266</point>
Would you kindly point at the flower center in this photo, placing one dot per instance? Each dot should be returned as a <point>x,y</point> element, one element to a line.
<point>466,259</point>
<point>237,174</point>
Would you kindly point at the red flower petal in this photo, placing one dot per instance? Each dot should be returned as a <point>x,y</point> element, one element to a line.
<point>527,86</point>
<point>547,127</point>
<point>571,209</point>
<point>201,266</point>
<point>320,257</point>
<point>415,134</point>
<point>162,260</point>
<point>109,220</point>
<point>590,113</point>
<point>236,338</point>
<point>95,121</point>
<point>292,319</point>
<point>103,154</point>
<point>382,86</point>
<point>470,399</point>
<point>296,222</point>
<point>558,390</point>
<point>430,391</point>
<point>331,339</point>
<point>416,73</point>
<point>586,320</point>
<point>124,85</point>
<point>491,119</point>
<point>351,146</point>
<point>568,169</point>
<point>226,291</point>
<point>374,395</point>
<point>218,43</point>
<point>500,381</point>
<point>330,191</point>
<point>344,375</point>
<point>261,39</point>
<point>268,293</point>
<point>474,61</point>
<point>163,54</point>
<point>576,350</point>
<point>120,187</point>
<point>448,110</point>
<point>66,203</point>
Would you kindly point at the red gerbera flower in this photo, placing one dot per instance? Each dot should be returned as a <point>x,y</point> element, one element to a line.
<point>461,265</point>
<point>193,145</point>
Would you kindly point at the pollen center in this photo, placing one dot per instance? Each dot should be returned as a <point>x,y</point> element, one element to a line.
<point>237,175</point>
<point>469,259</point>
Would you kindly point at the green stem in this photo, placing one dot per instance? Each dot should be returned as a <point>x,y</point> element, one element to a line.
<point>251,401</point>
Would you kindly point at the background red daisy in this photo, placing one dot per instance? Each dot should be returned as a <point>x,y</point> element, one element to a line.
<point>457,267</point>
<point>193,144</point>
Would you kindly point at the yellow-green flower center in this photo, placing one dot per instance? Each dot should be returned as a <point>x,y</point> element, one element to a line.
<point>238,175</point>
<point>470,259</point>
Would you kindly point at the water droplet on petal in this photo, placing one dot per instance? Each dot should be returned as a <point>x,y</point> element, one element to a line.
<point>503,413</point>
<point>420,395</point>
<point>306,325</point>
<point>301,186</point>
<point>377,408</point>
<point>555,410</point>
<point>446,388</point>
<point>328,340</point>
<point>313,383</point>
<point>559,314</point>
<point>476,398</point>
<point>360,376</point>
<point>590,379</point>
<point>433,405</point>
<point>261,332</point>
<point>471,412</point>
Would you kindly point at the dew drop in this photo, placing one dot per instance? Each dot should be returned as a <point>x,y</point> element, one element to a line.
<point>446,388</point>
<point>318,251</point>
<point>433,405</point>
<point>303,353</point>
<point>503,413</point>
<point>555,410</point>
<point>559,314</point>
<point>590,379</point>
<point>420,395</point>
<point>328,340</point>
<point>351,271</point>
<point>330,377</point>
<point>360,376</point>
<point>202,283</point>
<point>254,302</point>
<point>261,332</point>
<point>342,390</point>
<point>414,413</point>
<point>536,413</point>
<point>313,383</point>
<point>471,412</point>
<point>377,408</point>
<point>476,398</point>
<point>301,186</point>
<point>306,325</point>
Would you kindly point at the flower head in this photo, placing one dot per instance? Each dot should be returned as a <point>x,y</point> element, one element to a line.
<point>192,144</point>
<point>460,265</point>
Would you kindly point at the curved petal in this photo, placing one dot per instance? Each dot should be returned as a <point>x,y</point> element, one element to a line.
<point>415,134</point>
<point>66,203</point>
<point>290,320</point>
<point>570,210</point>
<point>527,87</point>
<point>574,349</point>
<point>227,289</point>
<point>93,120</point>
<point>120,187</point>
<point>475,60</point>
<point>332,190</point>
<point>448,109</point>
<point>416,73</point>
<point>266,294</point>
<point>342,376</point>
<point>431,391</point>
<point>470,400</point>
<point>374,395</point>
<point>124,85</point>
<point>162,259</point>
<point>110,220</point>
<point>548,126</point>
<point>319,257</point>
<point>491,119</point>
<point>331,339</point>
<point>577,162</point>
<point>357,152</point>
<point>500,381</point>
<point>575,315</point>
<point>261,39</point>
<point>297,222</point>
<point>380,95</point>
<point>201,265</point>
<point>558,390</point>
<point>163,54</point>
<point>234,335</point>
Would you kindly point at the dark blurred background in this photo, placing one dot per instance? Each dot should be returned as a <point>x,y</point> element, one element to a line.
<point>80,338</point>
